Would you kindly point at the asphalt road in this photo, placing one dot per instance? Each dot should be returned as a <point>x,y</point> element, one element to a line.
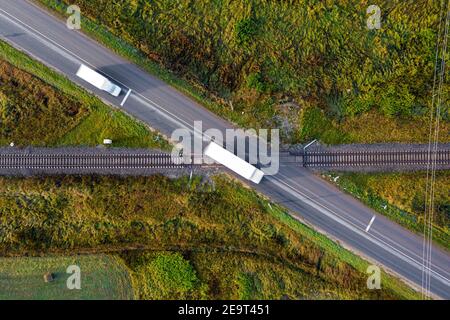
<point>313,200</point>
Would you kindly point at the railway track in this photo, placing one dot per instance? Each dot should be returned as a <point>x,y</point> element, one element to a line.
<point>318,159</point>
<point>375,158</point>
<point>89,161</point>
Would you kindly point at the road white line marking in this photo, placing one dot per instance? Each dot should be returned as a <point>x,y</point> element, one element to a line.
<point>350,225</point>
<point>125,98</point>
<point>39,36</point>
<point>370,223</point>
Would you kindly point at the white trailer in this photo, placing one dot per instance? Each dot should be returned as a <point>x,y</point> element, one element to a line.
<point>233,162</point>
<point>98,81</point>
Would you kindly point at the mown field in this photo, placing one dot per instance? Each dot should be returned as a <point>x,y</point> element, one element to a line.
<point>102,277</point>
<point>401,197</point>
<point>224,240</point>
<point>311,68</point>
<point>40,107</point>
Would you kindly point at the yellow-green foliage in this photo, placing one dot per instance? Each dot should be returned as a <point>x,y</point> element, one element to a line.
<point>165,275</point>
<point>33,112</point>
<point>247,276</point>
<point>71,214</point>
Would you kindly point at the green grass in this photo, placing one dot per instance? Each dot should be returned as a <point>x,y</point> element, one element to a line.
<point>165,275</point>
<point>52,97</point>
<point>102,277</point>
<point>315,125</point>
<point>370,127</point>
<point>245,282</point>
<point>227,275</point>
<point>401,197</point>
<point>77,214</point>
<point>112,124</point>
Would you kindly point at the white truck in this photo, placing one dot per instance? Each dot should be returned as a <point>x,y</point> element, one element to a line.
<point>98,81</point>
<point>233,162</point>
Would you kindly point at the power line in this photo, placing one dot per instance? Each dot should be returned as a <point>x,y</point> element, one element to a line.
<point>435,114</point>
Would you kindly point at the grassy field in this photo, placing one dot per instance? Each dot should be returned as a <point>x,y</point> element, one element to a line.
<point>401,197</point>
<point>40,107</point>
<point>207,224</point>
<point>228,275</point>
<point>370,127</point>
<point>102,277</point>
<point>328,77</point>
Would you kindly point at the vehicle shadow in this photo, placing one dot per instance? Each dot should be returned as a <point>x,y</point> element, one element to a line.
<point>128,75</point>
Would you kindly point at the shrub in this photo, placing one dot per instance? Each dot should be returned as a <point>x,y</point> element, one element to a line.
<point>246,30</point>
<point>255,81</point>
<point>165,276</point>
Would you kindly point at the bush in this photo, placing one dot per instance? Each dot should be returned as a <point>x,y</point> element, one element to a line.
<point>254,81</point>
<point>397,101</point>
<point>246,30</point>
<point>165,276</point>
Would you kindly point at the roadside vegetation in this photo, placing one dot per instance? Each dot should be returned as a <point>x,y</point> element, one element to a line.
<point>401,197</point>
<point>42,108</point>
<point>183,239</point>
<point>312,68</point>
<point>102,277</point>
